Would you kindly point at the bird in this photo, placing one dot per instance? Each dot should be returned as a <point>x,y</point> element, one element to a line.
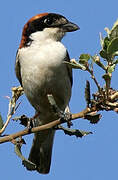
<point>41,70</point>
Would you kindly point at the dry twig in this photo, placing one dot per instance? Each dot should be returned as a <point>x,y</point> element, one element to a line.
<point>16,93</point>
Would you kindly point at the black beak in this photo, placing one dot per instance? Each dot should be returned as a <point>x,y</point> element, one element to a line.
<point>69,27</point>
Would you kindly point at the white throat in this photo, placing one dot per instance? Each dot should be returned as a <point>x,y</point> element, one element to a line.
<point>55,34</point>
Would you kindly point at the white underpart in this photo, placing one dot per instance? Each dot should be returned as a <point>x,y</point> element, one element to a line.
<point>43,70</point>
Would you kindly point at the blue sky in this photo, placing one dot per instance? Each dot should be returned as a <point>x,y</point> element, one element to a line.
<point>94,157</point>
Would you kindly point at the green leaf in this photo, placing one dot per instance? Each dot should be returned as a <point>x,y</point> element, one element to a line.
<point>115,62</point>
<point>23,120</point>
<point>111,68</point>
<point>106,43</point>
<point>87,93</point>
<point>113,47</point>
<point>1,122</point>
<point>74,132</point>
<point>17,150</point>
<point>28,164</point>
<point>114,31</point>
<point>104,54</point>
<point>83,59</point>
<point>93,117</point>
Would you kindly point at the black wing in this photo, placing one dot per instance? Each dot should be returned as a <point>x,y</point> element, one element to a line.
<point>69,69</point>
<point>18,69</point>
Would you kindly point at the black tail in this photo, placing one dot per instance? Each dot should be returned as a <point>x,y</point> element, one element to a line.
<point>41,150</point>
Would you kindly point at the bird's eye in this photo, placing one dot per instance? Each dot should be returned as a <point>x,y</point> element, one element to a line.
<point>48,21</point>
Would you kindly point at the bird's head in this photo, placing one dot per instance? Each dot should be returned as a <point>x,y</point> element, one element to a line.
<point>46,25</point>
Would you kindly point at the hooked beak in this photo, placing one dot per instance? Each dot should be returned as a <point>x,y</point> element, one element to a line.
<point>69,27</point>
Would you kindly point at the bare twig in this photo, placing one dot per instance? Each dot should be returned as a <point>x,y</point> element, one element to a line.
<point>16,93</point>
<point>114,105</point>
<point>11,111</point>
<point>114,96</point>
<point>94,79</point>
<point>6,124</point>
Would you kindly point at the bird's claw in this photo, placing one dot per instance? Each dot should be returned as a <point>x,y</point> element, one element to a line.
<point>30,124</point>
<point>66,117</point>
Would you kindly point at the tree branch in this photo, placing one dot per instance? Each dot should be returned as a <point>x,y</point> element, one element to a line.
<point>26,131</point>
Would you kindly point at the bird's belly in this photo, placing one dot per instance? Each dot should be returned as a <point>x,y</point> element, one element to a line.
<point>38,82</point>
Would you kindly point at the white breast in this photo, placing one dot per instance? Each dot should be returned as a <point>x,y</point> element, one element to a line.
<point>43,71</point>
<point>49,54</point>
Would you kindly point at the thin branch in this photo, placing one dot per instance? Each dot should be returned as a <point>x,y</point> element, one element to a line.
<point>114,96</point>
<point>114,105</point>
<point>80,114</point>
<point>6,124</point>
<point>9,115</point>
<point>42,127</point>
<point>94,79</point>
<point>16,93</point>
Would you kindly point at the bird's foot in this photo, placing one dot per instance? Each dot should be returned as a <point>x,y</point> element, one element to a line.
<point>66,117</point>
<point>31,122</point>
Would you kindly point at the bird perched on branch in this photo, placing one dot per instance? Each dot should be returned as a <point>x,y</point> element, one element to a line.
<point>41,71</point>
